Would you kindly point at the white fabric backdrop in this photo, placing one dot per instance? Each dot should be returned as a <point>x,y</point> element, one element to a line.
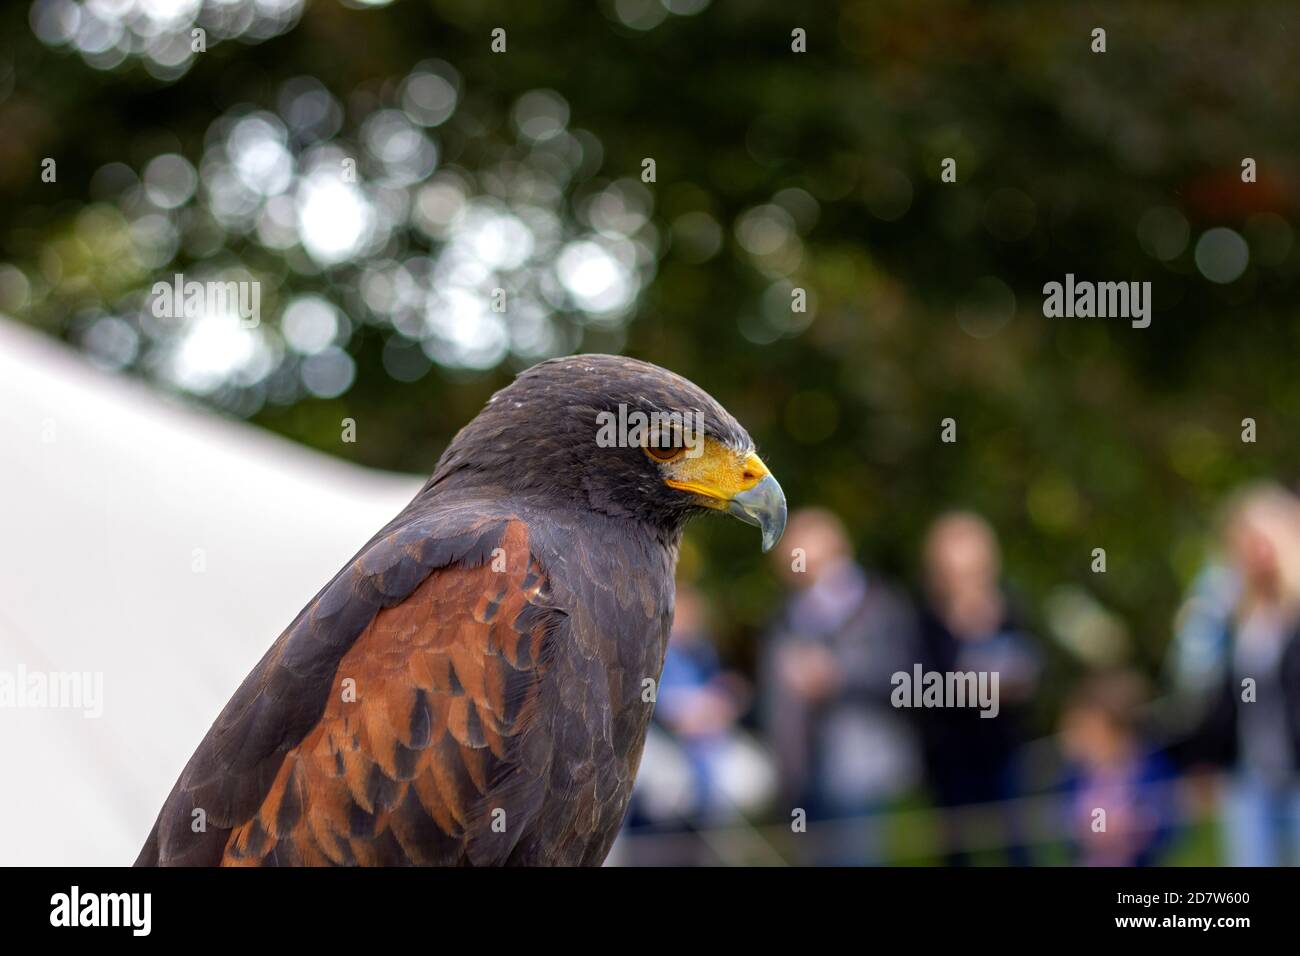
<point>107,488</point>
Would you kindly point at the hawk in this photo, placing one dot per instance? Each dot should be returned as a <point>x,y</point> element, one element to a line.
<point>471,688</point>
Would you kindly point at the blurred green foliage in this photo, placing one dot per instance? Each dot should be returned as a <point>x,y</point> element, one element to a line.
<point>1072,434</point>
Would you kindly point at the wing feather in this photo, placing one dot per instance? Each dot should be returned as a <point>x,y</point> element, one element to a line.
<point>392,722</point>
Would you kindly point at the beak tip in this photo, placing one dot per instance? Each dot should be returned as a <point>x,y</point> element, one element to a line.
<point>772,532</point>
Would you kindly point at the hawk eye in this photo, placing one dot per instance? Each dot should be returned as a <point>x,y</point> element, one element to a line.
<point>665,445</point>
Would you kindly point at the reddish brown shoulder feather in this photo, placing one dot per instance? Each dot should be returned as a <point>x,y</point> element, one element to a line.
<point>420,731</point>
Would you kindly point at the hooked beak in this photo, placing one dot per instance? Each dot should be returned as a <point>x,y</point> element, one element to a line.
<point>764,506</point>
<point>735,482</point>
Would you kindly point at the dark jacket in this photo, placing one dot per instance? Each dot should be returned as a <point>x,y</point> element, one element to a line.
<point>1214,739</point>
<point>970,758</point>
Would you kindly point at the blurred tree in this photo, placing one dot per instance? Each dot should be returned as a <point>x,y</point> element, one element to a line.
<point>774,171</point>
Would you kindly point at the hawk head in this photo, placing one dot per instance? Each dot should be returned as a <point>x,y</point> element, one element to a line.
<point>618,437</point>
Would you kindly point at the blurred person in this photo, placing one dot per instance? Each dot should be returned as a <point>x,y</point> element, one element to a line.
<point>700,704</point>
<point>1200,645</point>
<point>969,625</point>
<point>1113,768</point>
<point>842,750</point>
<point>1252,725</point>
<point>701,768</point>
<point>1194,671</point>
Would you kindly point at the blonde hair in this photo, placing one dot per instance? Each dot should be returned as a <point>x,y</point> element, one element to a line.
<point>1272,512</point>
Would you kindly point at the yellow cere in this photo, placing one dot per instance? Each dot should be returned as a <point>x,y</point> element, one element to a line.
<point>717,474</point>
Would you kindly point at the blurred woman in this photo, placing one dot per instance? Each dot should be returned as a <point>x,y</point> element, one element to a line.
<point>1253,726</point>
